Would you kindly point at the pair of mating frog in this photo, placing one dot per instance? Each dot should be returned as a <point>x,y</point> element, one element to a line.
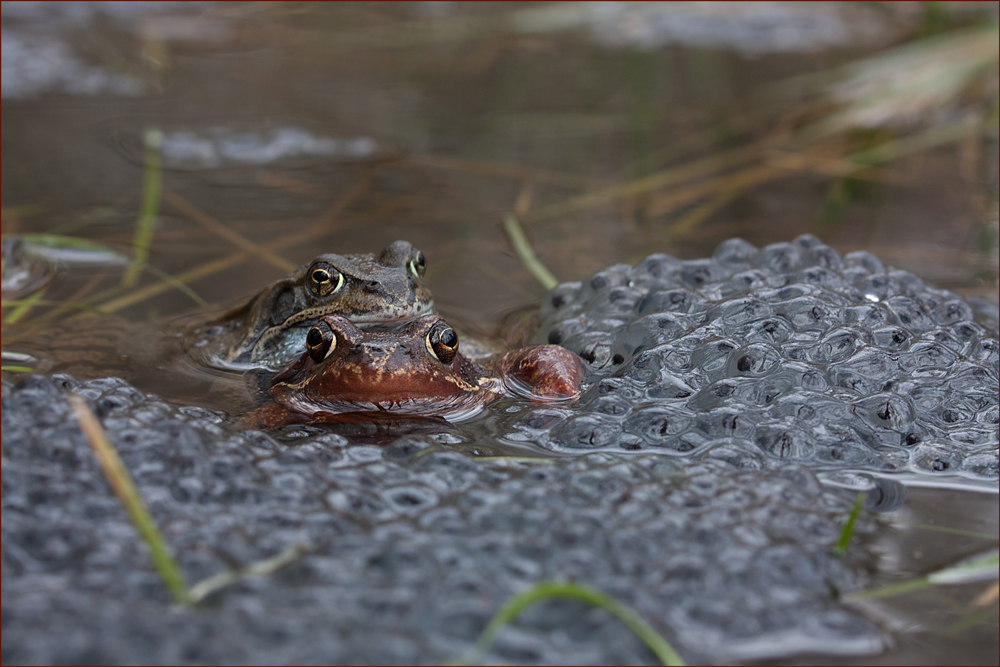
<point>356,335</point>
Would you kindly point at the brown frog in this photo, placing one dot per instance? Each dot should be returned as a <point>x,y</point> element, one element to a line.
<point>417,370</point>
<point>270,330</point>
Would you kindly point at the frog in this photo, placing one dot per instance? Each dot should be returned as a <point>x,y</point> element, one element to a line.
<point>348,373</point>
<point>269,330</point>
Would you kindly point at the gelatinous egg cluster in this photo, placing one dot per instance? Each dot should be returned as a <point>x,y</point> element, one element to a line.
<point>409,550</point>
<point>788,352</point>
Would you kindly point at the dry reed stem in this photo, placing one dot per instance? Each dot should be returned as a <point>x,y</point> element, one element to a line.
<point>224,232</point>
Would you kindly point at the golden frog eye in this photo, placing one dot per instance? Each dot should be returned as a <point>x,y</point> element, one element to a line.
<point>324,280</point>
<point>320,342</point>
<point>417,265</point>
<point>442,342</point>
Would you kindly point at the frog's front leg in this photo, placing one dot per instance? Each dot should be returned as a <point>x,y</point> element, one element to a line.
<point>270,416</point>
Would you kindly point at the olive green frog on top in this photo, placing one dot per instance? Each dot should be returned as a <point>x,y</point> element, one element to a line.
<point>270,329</point>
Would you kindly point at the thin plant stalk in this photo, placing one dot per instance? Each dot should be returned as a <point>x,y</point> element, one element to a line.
<point>527,254</point>
<point>152,184</point>
<point>547,590</point>
<point>124,488</point>
<point>22,306</point>
<point>203,588</point>
<point>848,530</point>
<point>220,230</point>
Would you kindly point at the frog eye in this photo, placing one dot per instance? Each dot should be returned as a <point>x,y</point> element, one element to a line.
<point>324,280</point>
<point>320,342</point>
<point>417,266</point>
<point>442,342</point>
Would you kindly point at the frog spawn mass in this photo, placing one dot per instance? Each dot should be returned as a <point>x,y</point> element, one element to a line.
<point>409,549</point>
<point>791,352</point>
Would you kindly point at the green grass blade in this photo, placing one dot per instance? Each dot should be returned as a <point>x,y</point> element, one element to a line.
<point>983,567</point>
<point>978,568</point>
<point>7,303</point>
<point>527,254</point>
<point>847,532</point>
<point>17,357</point>
<point>945,529</point>
<point>547,590</point>
<point>889,591</point>
<point>177,285</point>
<point>200,590</point>
<point>22,308</point>
<point>152,183</point>
<point>71,250</point>
<point>124,488</point>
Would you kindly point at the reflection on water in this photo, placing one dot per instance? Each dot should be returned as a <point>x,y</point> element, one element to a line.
<point>610,130</point>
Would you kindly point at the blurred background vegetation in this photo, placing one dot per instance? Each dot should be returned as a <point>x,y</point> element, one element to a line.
<point>209,148</point>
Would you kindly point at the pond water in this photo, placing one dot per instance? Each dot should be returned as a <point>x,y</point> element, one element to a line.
<point>264,134</point>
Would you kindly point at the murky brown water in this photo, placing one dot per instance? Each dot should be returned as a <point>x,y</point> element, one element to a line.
<point>290,130</point>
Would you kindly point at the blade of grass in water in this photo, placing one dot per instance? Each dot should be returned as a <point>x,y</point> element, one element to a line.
<point>547,590</point>
<point>48,302</point>
<point>123,487</point>
<point>945,529</point>
<point>848,530</point>
<point>152,182</point>
<point>23,306</point>
<point>527,254</point>
<point>72,250</point>
<point>201,590</point>
<point>17,357</point>
<point>984,566</point>
<point>220,230</point>
<point>978,568</point>
<point>176,284</point>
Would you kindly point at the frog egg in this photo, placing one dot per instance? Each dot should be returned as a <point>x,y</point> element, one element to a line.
<point>779,258</point>
<point>678,300</point>
<point>823,256</point>
<point>753,360</point>
<point>586,431</point>
<point>657,271</point>
<point>864,260</point>
<point>936,457</point>
<point>734,253</point>
<point>558,298</point>
<point>696,273</point>
<point>602,281</point>
<point>783,440</point>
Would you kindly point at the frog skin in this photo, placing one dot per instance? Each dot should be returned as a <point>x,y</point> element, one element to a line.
<point>414,371</point>
<point>269,330</point>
